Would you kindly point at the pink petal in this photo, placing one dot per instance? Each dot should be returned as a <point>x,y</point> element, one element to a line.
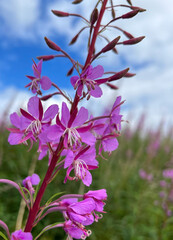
<point>83,207</point>
<point>96,72</point>
<point>14,138</point>
<point>88,179</point>
<point>110,144</point>
<point>73,80</point>
<point>45,83</point>
<point>50,113</point>
<point>33,107</point>
<point>81,117</point>
<point>65,114</point>
<point>15,119</point>
<point>97,92</point>
<point>54,133</point>
<point>69,159</point>
<point>88,138</point>
<point>35,179</point>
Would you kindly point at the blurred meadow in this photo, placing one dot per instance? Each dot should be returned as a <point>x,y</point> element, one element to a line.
<point>140,198</point>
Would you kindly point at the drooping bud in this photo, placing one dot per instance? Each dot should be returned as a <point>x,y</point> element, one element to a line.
<point>77,1</point>
<point>130,14</point>
<point>129,75</point>
<point>138,8</point>
<point>74,39</point>
<point>46,97</point>
<point>133,41</point>
<point>128,35</point>
<point>70,71</point>
<point>118,75</point>
<point>110,45</point>
<point>52,45</point>
<point>129,2</point>
<point>94,16</point>
<point>46,57</point>
<point>60,13</point>
<point>112,86</point>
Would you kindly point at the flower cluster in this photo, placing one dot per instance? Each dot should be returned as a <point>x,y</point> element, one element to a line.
<point>69,135</point>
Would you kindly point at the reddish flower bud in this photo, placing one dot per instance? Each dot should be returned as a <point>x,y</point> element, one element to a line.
<point>112,86</point>
<point>138,8</point>
<point>94,16</point>
<point>110,45</point>
<point>70,71</point>
<point>77,1</point>
<point>130,75</point>
<point>130,14</point>
<point>129,2</point>
<point>133,41</point>
<point>46,57</point>
<point>127,34</point>
<point>44,98</point>
<point>118,75</point>
<point>60,13</point>
<point>52,45</point>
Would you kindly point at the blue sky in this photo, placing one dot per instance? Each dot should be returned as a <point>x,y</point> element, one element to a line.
<point>24,24</point>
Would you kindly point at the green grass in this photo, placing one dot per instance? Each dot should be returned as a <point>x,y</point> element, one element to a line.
<point>132,212</point>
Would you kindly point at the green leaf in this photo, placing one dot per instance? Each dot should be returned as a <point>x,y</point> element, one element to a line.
<point>3,235</point>
<point>46,229</point>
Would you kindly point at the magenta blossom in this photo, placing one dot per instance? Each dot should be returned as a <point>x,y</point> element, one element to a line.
<point>31,123</point>
<point>87,79</point>
<point>98,196</point>
<point>72,128</point>
<point>76,231</point>
<point>37,80</point>
<point>29,181</point>
<point>168,173</point>
<point>20,235</point>
<point>81,212</point>
<point>81,162</point>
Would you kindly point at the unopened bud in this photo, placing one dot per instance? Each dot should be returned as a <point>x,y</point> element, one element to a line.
<point>112,86</point>
<point>44,98</point>
<point>60,13</point>
<point>127,34</point>
<point>133,41</point>
<point>129,2</point>
<point>118,75</point>
<point>110,45</point>
<point>70,71</point>
<point>129,75</point>
<point>52,45</point>
<point>77,1</point>
<point>130,14</point>
<point>46,57</point>
<point>74,39</point>
<point>94,16</point>
<point>138,8</point>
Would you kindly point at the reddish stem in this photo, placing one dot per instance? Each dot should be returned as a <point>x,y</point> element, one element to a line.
<point>36,206</point>
<point>96,30</point>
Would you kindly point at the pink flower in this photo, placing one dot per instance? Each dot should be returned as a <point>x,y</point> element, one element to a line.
<point>37,80</point>
<point>168,173</point>
<point>72,128</point>
<point>29,181</point>
<point>76,231</point>
<point>87,80</point>
<point>98,196</point>
<point>31,123</point>
<point>81,162</point>
<point>20,235</point>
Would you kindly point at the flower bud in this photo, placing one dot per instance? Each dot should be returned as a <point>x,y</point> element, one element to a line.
<point>94,16</point>
<point>129,2</point>
<point>52,45</point>
<point>118,75</point>
<point>46,57</point>
<point>60,13</point>
<point>138,8</point>
<point>110,45</point>
<point>133,41</point>
<point>130,14</point>
<point>77,1</point>
<point>112,86</point>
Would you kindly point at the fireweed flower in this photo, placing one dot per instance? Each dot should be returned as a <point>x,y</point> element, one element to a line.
<point>31,123</point>
<point>87,80</point>
<point>37,80</point>
<point>98,196</point>
<point>20,235</point>
<point>29,181</point>
<point>81,162</point>
<point>168,173</point>
<point>107,130</point>
<point>72,128</point>
<point>76,231</point>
